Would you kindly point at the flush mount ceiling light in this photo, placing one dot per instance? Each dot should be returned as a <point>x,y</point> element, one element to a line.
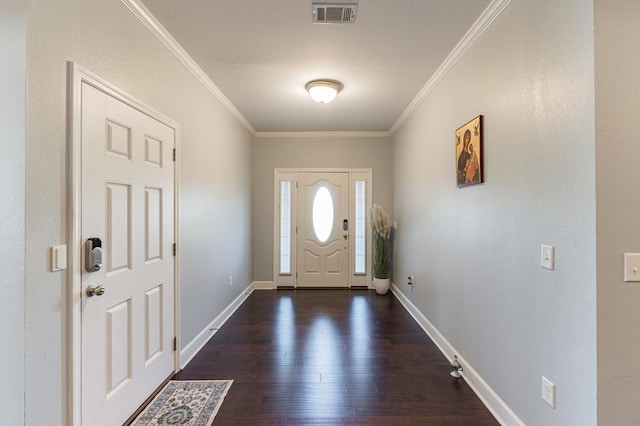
<point>323,91</point>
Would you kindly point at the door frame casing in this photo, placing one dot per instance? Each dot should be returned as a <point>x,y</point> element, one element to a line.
<point>280,174</point>
<point>72,348</point>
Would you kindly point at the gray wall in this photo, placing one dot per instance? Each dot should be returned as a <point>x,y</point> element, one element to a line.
<point>13,40</point>
<point>618,207</point>
<point>475,252</point>
<point>310,152</point>
<point>215,176</point>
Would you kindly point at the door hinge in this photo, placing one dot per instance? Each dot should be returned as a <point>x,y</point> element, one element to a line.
<point>175,344</point>
<point>174,249</point>
<point>296,184</point>
<point>296,229</point>
<point>174,154</point>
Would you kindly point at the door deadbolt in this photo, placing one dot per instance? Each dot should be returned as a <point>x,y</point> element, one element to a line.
<point>93,255</point>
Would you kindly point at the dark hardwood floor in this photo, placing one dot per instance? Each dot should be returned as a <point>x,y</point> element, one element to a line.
<point>332,357</point>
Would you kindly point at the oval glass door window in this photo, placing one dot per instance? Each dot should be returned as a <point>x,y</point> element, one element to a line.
<point>322,215</point>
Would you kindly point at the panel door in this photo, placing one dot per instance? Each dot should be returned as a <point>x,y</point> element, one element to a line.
<point>323,241</point>
<point>127,202</point>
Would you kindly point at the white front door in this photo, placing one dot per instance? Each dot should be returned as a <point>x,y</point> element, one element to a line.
<point>323,235</point>
<point>128,203</point>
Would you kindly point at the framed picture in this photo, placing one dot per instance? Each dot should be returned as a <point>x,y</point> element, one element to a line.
<point>469,153</point>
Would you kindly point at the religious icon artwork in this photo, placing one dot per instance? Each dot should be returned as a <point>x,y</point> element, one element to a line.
<point>469,153</point>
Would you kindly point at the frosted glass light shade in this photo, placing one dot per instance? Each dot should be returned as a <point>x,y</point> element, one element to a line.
<point>323,91</point>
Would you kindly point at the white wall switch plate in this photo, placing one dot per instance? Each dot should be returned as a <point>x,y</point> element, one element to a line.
<point>547,258</point>
<point>548,392</point>
<point>58,258</point>
<point>631,267</point>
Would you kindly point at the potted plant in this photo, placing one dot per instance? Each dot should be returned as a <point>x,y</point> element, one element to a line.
<point>382,256</point>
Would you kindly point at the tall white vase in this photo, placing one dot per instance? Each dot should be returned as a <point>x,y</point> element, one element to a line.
<point>381,285</point>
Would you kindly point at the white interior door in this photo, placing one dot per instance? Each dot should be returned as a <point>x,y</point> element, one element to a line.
<point>323,243</point>
<point>128,203</point>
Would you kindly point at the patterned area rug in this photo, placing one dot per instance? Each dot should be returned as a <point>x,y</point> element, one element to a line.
<point>189,403</point>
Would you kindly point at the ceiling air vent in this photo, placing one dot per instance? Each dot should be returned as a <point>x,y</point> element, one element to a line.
<point>334,13</point>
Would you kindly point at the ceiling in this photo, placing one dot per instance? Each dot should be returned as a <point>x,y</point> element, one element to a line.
<point>261,53</point>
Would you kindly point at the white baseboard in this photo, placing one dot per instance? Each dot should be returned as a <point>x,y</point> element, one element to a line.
<point>194,346</point>
<point>487,395</point>
<point>263,285</point>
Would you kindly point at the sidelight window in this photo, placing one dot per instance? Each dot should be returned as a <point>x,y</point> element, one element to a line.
<point>285,227</point>
<point>360,231</point>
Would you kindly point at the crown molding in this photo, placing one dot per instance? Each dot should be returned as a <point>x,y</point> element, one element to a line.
<point>492,11</point>
<point>144,16</point>
<point>266,135</point>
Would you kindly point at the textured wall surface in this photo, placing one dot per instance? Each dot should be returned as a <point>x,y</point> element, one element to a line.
<point>272,153</point>
<point>618,207</point>
<point>215,176</point>
<point>13,40</point>
<point>475,251</point>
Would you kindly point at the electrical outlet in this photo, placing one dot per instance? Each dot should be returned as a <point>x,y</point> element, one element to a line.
<point>548,392</point>
<point>230,280</point>
<point>410,280</point>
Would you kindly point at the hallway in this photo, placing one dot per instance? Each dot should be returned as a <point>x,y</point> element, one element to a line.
<point>330,357</point>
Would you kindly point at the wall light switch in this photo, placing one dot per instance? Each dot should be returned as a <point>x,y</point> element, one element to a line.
<point>58,258</point>
<point>631,267</point>
<point>547,257</point>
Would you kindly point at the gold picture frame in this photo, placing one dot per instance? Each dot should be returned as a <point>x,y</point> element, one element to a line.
<point>469,153</point>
